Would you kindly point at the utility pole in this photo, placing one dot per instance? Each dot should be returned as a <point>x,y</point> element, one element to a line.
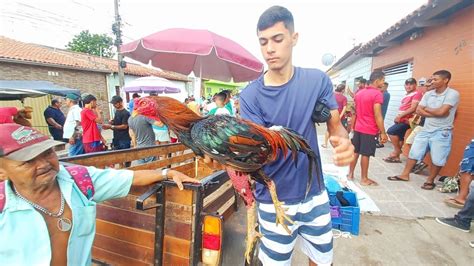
<point>118,42</point>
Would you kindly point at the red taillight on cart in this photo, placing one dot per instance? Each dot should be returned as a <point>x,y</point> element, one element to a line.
<point>211,240</point>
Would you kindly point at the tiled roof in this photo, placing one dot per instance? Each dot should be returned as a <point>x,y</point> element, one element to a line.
<point>26,52</point>
<point>434,9</point>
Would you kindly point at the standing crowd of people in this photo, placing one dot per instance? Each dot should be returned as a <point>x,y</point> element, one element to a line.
<point>424,123</point>
<point>39,191</point>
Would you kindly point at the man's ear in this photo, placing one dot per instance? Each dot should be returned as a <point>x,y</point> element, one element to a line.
<point>294,38</point>
<point>3,174</point>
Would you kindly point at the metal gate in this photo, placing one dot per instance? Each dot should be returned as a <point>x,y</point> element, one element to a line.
<point>395,76</point>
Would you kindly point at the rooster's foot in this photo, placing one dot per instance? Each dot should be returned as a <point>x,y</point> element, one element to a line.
<point>281,217</point>
<point>252,238</point>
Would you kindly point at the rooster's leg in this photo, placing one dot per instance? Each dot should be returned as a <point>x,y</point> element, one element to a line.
<point>281,216</point>
<point>252,234</point>
<point>241,182</point>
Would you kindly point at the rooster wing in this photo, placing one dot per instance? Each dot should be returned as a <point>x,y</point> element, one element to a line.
<point>232,142</point>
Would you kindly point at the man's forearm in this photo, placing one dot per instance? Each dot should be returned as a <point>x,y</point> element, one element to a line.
<point>437,112</point>
<point>380,125</point>
<point>146,177</point>
<point>123,126</point>
<point>409,111</point>
<point>53,123</point>
<point>423,112</point>
<point>335,127</point>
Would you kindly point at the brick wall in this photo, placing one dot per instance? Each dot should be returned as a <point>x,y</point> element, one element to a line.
<point>86,81</point>
<point>450,47</point>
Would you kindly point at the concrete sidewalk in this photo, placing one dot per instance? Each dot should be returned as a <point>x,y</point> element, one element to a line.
<point>396,198</point>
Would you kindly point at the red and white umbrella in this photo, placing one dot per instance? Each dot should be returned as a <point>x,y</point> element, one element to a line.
<point>207,54</point>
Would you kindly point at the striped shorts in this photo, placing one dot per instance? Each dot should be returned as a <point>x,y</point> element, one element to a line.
<point>312,231</point>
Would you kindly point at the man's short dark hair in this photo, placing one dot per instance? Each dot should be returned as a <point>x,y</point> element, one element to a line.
<point>273,15</point>
<point>362,81</point>
<point>340,87</point>
<point>411,81</point>
<point>54,102</point>
<point>376,75</point>
<point>444,74</point>
<point>89,98</point>
<point>221,96</point>
<point>135,95</point>
<point>385,83</point>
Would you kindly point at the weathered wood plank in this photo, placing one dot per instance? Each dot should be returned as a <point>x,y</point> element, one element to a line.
<point>173,260</point>
<point>176,246</point>
<point>119,156</point>
<point>128,218</point>
<point>129,203</point>
<point>126,233</point>
<point>179,212</point>
<point>140,253</point>
<point>114,258</point>
<point>218,202</point>
<point>216,194</point>
<point>164,162</point>
<point>173,194</point>
<point>177,229</point>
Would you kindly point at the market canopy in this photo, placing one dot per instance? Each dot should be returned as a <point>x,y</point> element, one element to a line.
<point>29,87</point>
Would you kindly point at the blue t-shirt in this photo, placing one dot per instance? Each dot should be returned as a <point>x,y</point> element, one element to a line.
<point>291,106</point>
<point>386,100</point>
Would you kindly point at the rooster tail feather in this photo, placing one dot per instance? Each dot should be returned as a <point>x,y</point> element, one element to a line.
<point>296,144</point>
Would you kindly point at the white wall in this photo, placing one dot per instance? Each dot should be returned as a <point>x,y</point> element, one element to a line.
<point>361,67</point>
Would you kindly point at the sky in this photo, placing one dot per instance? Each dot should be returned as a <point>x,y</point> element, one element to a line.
<point>324,26</point>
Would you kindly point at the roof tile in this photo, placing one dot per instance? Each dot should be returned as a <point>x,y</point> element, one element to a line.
<point>34,53</point>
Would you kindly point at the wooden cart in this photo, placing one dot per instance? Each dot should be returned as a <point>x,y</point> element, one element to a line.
<point>159,225</point>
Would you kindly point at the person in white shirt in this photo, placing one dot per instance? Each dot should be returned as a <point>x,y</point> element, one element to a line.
<point>72,127</point>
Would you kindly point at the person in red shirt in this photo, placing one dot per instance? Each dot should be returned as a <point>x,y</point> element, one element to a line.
<point>7,114</point>
<point>341,108</point>
<point>90,116</point>
<point>406,111</point>
<point>368,123</point>
<point>361,84</point>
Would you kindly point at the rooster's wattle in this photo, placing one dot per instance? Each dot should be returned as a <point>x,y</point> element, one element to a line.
<point>241,146</point>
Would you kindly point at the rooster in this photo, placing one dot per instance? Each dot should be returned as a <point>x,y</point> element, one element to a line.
<point>241,146</point>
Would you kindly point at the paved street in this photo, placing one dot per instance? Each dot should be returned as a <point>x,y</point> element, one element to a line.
<point>404,232</point>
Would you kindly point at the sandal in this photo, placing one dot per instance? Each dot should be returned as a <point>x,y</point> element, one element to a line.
<point>392,160</point>
<point>428,186</point>
<point>396,178</point>
<point>420,167</point>
<point>452,202</point>
<point>370,184</point>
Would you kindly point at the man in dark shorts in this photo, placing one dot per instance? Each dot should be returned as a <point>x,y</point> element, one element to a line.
<point>368,123</point>
<point>405,112</point>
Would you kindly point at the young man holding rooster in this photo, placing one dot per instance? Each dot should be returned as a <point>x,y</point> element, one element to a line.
<point>285,96</point>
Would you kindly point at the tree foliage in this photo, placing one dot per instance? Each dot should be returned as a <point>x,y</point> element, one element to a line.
<point>94,44</point>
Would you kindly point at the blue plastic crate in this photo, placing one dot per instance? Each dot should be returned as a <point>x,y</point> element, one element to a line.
<point>345,218</point>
